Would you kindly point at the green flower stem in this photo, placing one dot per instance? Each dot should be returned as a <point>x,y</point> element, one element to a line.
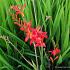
<point>41,55</point>
<point>36,57</point>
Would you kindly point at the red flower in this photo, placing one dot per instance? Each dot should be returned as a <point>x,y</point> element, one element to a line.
<point>24,26</point>
<point>18,11</point>
<point>28,35</point>
<point>37,37</point>
<point>54,53</point>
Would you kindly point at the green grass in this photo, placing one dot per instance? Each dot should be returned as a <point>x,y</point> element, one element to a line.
<point>57,26</point>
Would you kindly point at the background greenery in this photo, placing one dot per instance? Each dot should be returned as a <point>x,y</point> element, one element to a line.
<point>57,26</point>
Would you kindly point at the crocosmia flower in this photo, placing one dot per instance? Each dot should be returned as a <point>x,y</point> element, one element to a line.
<point>38,37</point>
<point>35,35</point>
<point>55,53</point>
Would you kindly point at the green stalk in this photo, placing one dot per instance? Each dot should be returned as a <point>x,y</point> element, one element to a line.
<point>41,55</point>
<point>36,56</point>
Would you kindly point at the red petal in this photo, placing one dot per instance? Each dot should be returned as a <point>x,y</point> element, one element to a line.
<point>18,12</point>
<point>36,45</point>
<point>31,42</point>
<point>17,24</point>
<point>26,39</point>
<point>22,29</point>
<point>44,45</point>
<point>15,8</point>
<point>57,50</point>
<point>54,53</point>
<point>51,59</point>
